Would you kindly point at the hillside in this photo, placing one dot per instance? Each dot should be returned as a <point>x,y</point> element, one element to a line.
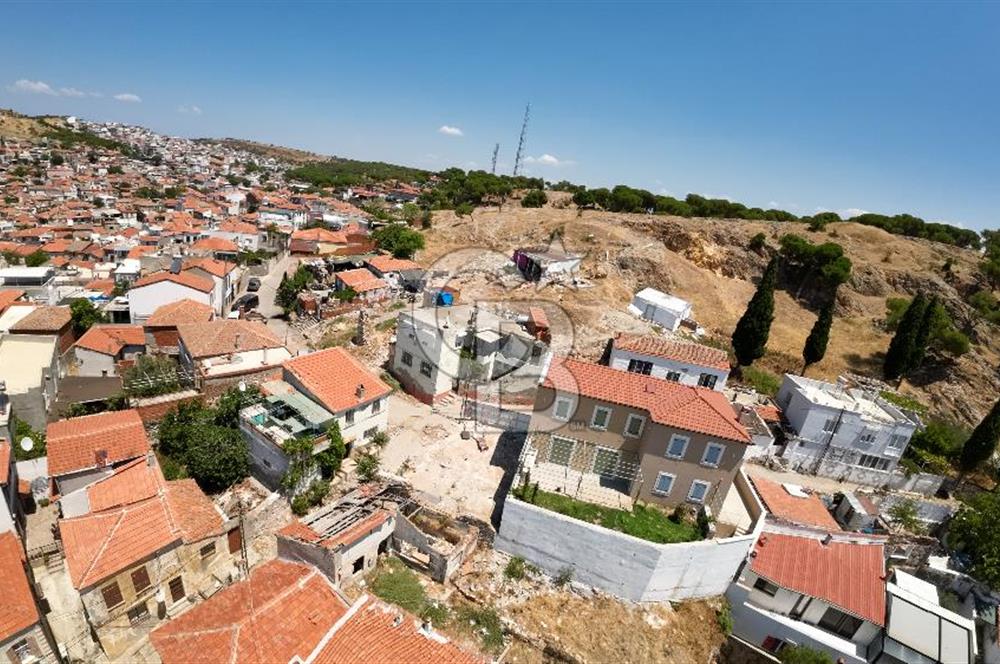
<point>707,262</point>
<point>290,155</point>
<point>23,127</point>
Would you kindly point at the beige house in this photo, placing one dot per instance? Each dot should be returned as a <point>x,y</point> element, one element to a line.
<point>637,436</point>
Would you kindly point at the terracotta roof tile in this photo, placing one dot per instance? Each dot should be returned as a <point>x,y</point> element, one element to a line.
<point>5,454</point>
<point>850,576</point>
<point>221,337</point>
<point>696,409</point>
<point>333,375</point>
<point>360,280</point>
<point>9,296</point>
<point>202,284</point>
<point>73,444</point>
<point>357,531</point>
<point>17,610</point>
<point>44,319</point>
<point>324,235</point>
<point>679,351</point>
<point>216,244</point>
<point>111,339</point>
<point>214,267</point>
<point>391,264</point>
<point>180,311</point>
<point>805,511</point>
<point>134,482</point>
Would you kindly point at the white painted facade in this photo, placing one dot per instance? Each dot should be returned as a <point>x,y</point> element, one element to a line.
<point>144,300</point>
<point>665,310</point>
<point>681,372</point>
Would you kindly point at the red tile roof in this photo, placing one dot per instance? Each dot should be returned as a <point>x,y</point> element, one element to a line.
<point>134,482</point>
<point>379,632</point>
<point>805,511</point>
<point>333,375</point>
<point>9,296</point>
<point>216,244</point>
<point>679,351</point>
<point>202,284</point>
<point>360,280</point>
<point>73,444</point>
<point>222,337</point>
<point>769,414</point>
<point>111,339</point>
<point>17,610</point>
<point>324,235</point>
<point>391,264</point>
<point>180,311</point>
<point>850,576</point>
<point>44,319</point>
<point>214,267</point>
<point>281,612</point>
<point>671,404</point>
<point>5,454</point>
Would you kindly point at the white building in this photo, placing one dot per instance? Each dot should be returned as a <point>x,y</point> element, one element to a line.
<point>153,291</point>
<point>680,361</point>
<point>655,306</point>
<point>102,347</point>
<point>843,432</point>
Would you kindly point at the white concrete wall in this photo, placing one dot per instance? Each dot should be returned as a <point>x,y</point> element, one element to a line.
<point>92,363</point>
<point>425,344</point>
<point>617,563</point>
<point>143,301</point>
<point>690,373</point>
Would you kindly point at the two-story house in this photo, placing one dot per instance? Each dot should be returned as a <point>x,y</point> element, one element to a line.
<point>24,636</point>
<point>844,432</point>
<point>101,348</point>
<point>82,450</point>
<point>222,352</point>
<point>680,361</point>
<point>225,277</point>
<point>151,292</point>
<point>654,440</point>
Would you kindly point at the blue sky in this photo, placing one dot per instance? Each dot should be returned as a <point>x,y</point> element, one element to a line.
<point>887,107</point>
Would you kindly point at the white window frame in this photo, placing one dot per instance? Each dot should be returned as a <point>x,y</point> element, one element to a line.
<point>569,409</point>
<point>607,420</point>
<point>628,421</point>
<point>897,436</point>
<point>722,453</point>
<point>694,483</point>
<point>617,453</point>
<point>660,492</point>
<point>673,438</point>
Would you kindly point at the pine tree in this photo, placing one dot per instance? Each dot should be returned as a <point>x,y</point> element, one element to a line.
<point>819,336</point>
<point>983,441</point>
<point>753,329</point>
<point>902,348</point>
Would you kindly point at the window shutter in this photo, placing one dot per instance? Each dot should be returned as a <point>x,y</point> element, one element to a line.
<point>177,589</point>
<point>140,579</point>
<point>235,540</point>
<point>112,595</point>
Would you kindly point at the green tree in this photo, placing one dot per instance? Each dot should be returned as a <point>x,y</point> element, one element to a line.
<point>902,348</point>
<point>982,443</point>
<point>815,347</point>
<point>584,199</point>
<point>400,241</point>
<point>36,258</point>
<point>22,430</point>
<point>368,466</point>
<point>758,242</point>
<point>464,210</point>
<point>332,457</point>
<point>217,457</point>
<point>84,314</point>
<point>804,655</point>
<point>301,462</point>
<point>932,320</point>
<point>228,406</point>
<point>976,531</point>
<point>535,198</point>
<point>754,327</point>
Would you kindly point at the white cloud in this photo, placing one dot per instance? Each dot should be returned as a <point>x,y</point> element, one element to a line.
<point>548,160</point>
<point>189,110</point>
<point>128,97</point>
<point>450,131</point>
<point>72,92</point>
<point>96,94</point>
<point>33,87</point>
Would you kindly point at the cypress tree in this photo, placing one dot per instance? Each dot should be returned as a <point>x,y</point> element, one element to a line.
<point>924,332</point>
<point>819,336</point>
<point>983,441</point>
<point>902,348</point>
<point>752,330</point>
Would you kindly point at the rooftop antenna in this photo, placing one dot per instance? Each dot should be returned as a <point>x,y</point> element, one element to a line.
<point>496,150</point>
<point>520,141</point>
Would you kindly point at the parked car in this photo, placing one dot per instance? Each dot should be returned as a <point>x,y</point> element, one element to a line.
<point>253,285</point>
<point>248,302</point>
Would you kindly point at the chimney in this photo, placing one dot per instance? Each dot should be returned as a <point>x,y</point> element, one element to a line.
<point>150,459</point>
<point>827,539</point>
<point>360,391</point>
<point>175,264</point>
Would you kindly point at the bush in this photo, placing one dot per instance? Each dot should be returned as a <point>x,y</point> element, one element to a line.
<point>400,241</point>
<point>515,568</point>
<point>803,655</point>
<point>564,577</point>
<point>724,616</point>
<point>368,466</point>
<point>535,198</point>
<point>758,242</point>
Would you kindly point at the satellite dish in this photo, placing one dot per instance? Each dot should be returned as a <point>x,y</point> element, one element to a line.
<point>242,386</point>
<point>27,444</point>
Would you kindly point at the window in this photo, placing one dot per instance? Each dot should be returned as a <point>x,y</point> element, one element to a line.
<point>839,623</point>
<point>207,551</point>
<point>140,579</point>
<point>349,417</point>
<point>765,587</point>
<point>359,565</point>
<point>112,595</point>
<point>713,455</point>
<point>663,484</point>
<point>376,407</point>
<point>897,441</point>
<point>235,540</point>
<point>563,409</point>
<point>873,462</point>
<point>677,446</point>
<point>640,367</point>
<point>426,369</point>
<point>867,437</point>
<point>407,358</point>
<point>830,426</point>
<point>633,426</point>
<point>773,644</point>
<point>605,461</point>
<point>22,650</point>
<point>560,451</point>
<point>138,613</point>
<point>674,376</point>
<point>177,589</point>
<point>708,380</point>
<point>601,418</point>
<point>699,489</point>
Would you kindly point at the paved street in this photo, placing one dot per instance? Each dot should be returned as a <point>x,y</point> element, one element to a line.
<point>292,338</point>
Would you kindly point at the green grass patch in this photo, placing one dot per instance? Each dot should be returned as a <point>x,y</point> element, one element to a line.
<point>761,380</point>
<point>645,522</point>
<point>484,623</point>
<point>398,584</point>
<point>904,401</point>
<point>387,324</point>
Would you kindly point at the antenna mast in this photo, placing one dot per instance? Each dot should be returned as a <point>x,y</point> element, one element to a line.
<point>520,141</point>
<point>496,149</point>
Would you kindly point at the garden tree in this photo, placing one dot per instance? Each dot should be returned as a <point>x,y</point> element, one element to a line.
<point>535,198</point>
<point>84,314</point>
<point>301,463</point>
<point>976,531</point>
<point>368,466</point>
<point>36,258</point>
<point>982,443</point>
<point>228,406</point>
<point>754,327</point>
<point>330,459</point>
<point>902,348</point>
<point>56,160</point>
<point>290,287</point>
<point>217,457</point>
<point>803,655</point>
<point>175,431</point>
<point>400,241</point>
<point>21,430</point>
<point>819,336</point>
<point>464,210</point>
<point>930,322</point>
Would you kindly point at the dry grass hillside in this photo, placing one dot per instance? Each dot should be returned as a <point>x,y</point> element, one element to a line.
<point>708,262</point>
<point>15,125</point>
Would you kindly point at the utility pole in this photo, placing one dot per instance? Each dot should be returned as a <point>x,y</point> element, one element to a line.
<point>520,141</point>
<point>496,150</point>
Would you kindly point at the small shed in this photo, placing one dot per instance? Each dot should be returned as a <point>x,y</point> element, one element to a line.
<point>658,307</point>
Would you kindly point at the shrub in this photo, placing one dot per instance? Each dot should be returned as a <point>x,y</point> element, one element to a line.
<point>515,568</point>
<point>535,198</point>
<point>368,466</point>
<point>758,242</point>
<point>763,381</point>
<point>724,616</point>
<point>564,576</point>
